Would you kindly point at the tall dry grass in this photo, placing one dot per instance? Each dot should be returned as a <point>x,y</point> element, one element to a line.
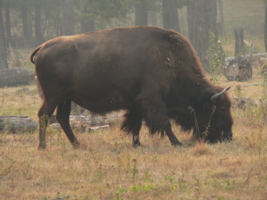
<point>109,168</point>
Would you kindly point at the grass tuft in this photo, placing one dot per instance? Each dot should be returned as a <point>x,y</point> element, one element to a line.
<point>201,148</point>
<point>220,172</point>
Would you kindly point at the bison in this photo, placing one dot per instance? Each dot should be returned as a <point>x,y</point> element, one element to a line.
<point>152,73</point>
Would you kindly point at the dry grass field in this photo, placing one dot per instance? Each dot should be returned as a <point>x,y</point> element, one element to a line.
<point>107,167</point>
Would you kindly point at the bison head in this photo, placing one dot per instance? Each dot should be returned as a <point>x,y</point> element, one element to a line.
<point>212,118</point>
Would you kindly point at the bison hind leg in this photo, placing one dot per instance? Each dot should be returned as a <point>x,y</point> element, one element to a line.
<point>62,116</point>
<point>44,113</point>
<point>132,124</point>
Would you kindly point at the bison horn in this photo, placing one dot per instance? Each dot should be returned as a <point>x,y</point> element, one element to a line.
<point>218,95</point>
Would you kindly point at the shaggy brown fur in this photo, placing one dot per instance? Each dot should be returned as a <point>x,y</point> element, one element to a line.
<point>152,73</point>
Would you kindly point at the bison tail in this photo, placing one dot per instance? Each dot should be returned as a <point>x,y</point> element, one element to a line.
<point>40,91</point>
<point>34,52</point>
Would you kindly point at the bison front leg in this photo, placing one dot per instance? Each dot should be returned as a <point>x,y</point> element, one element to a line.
<point>174,141</point>
<point>155,115</point>
<point>63,114</point>
<point>132,124</point>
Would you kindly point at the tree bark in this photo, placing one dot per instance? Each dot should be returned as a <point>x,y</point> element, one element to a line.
<point>3,61</point>
<point>38,30</point>
<point>68,18</point>
<point>8,27</point>
<point>141,13</point>
<point>170,15</point>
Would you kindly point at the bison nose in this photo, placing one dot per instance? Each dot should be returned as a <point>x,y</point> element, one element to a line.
<point>227,135</point>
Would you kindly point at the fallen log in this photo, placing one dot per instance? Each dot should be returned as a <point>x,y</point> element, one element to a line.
<point>259,57</point>
<point>91,122</point>
<point>14,77</point>
<point>252,84</point>
<point>17,124</point>
<point>94,120</point>
<point>244,102</point>
<point>97,128</point>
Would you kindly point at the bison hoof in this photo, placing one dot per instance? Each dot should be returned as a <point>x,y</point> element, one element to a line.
<point>136,144</point>
<point>76,145</point>
<point>177,143</point>
<point>41,147</point>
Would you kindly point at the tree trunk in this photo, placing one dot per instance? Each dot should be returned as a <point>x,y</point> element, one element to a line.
<point>170,15</point>
<point>8,27</point>
<point>211,13</point>
<point>191,19</point>
<point>152,18</point>
<point>220,18</point>
<point>141,13</point>
<point>205,21</point>
<point>14,77</point>
<point>265,28</point>
<point>3,61</point>
<point>25,26</point>
<point>38,29</point>
<point>30,27</point>
<point>181,18</point>
<point>59,26</point>
<point>87,23</point>
<point>68,18</point>
<point>239,42</point>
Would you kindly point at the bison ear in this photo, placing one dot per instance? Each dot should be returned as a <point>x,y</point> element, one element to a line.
<point>215,97</point>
